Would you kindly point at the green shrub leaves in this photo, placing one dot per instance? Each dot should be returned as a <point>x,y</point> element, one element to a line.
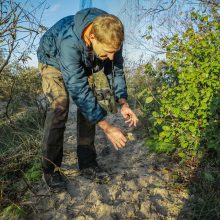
<point>187,113</point>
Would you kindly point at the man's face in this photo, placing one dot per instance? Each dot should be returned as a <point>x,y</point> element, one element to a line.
<point>103,51</point>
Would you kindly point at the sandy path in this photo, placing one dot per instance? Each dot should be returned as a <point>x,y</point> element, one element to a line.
<point>138,189</point>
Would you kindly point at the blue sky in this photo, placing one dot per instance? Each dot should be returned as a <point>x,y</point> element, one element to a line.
<point>136,47</point>
<point>61,8</point>
<point>57,9</point>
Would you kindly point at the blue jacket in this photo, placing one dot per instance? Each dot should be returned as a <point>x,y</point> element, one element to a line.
<point>63,48</point>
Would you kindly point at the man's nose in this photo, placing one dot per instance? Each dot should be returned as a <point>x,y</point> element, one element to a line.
<point>111,56</point>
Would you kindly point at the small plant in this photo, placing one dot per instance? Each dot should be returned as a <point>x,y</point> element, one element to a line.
<point>34,173</point>
<point>159,146</point>
<point>12,211</point>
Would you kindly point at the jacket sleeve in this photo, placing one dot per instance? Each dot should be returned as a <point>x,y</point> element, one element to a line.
<point>76,81</point>
<point>120,87</point>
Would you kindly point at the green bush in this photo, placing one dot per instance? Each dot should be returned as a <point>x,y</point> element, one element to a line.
<point>185,112</point>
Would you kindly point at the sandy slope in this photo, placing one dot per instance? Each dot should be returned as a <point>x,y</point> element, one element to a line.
<point>138,189</point>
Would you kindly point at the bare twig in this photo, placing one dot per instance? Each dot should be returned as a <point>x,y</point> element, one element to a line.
<point>19,27</point>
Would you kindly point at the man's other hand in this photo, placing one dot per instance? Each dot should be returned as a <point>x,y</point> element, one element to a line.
<point>114,134</point>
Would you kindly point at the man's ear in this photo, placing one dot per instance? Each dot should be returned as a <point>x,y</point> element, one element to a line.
<point>92,37</point>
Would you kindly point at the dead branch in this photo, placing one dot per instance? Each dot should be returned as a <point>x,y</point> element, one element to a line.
<point>19,26</point>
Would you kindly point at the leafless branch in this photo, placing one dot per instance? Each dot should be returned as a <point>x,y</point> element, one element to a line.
<point>20,23</point>
<point>165,17</point>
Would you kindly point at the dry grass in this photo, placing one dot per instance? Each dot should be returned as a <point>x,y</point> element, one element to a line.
<point>20,142</point>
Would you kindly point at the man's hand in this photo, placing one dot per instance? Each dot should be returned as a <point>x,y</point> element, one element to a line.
<point>128,115</point>
<point>114,134</point>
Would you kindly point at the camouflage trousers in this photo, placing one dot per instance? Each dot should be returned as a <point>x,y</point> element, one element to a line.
<point>56,118</point>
